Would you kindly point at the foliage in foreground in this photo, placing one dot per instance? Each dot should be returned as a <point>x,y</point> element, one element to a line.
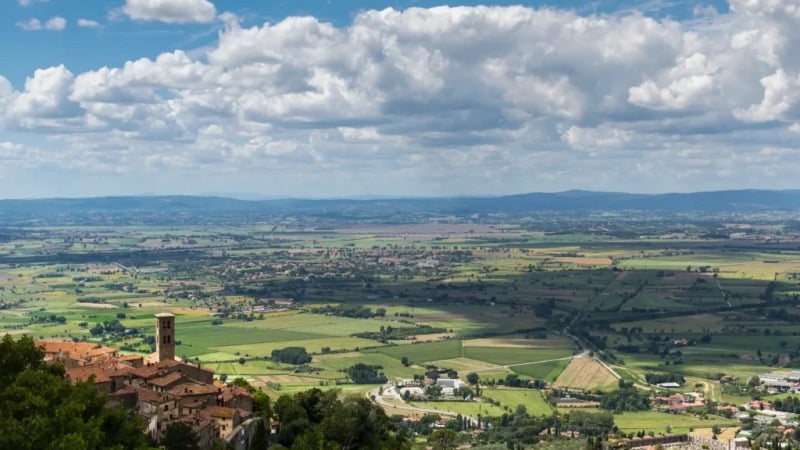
<point>179,436</point>
<point>320,420</point>
<point>41,409</point>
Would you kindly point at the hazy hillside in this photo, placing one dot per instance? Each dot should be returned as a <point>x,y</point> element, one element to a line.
<point>742,200</point>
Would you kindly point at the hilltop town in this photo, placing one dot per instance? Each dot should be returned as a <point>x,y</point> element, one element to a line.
<point>161,389</point>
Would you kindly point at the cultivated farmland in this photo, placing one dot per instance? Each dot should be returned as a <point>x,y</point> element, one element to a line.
<point>586,373</point>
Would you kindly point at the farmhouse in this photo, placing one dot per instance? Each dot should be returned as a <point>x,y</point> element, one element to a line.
<point>452,383</point>
<point>159,388</point>
<point>449,386</point>
<point>762,405</point>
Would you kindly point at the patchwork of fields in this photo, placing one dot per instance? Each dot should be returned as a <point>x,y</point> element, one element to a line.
<point>496,301</point>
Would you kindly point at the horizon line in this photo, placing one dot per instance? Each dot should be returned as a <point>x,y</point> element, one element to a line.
<point>255,197</point>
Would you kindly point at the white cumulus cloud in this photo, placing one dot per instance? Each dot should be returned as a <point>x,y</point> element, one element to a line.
<point>44,97</point>
<point>691,82</point>
<point>170,11</point>
<point>30,24</point>
<point>491,95</point>
<point>56,23</point>
<point>88,23</point>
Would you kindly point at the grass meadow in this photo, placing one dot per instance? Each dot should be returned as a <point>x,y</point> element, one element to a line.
<point>533,400</point>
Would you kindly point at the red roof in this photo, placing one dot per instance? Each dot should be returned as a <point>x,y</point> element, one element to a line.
<point>79,351</point>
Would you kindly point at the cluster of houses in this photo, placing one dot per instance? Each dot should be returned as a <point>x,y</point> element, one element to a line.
<point>679,402</point>
<point>780,382</point>
<point>161,389</point>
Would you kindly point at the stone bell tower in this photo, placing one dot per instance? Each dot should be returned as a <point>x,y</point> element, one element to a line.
<point>165,336</point>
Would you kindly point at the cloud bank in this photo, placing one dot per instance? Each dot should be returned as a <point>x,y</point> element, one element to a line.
<point>445,100</point>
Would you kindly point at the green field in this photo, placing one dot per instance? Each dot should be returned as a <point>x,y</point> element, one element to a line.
<point>658,422</point>
<point>472,409</point>
<point>425,351</point>
<point>533,400</point>
<point>515,356</point>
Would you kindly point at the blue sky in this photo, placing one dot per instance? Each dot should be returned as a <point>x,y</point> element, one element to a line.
<point>350,98</point>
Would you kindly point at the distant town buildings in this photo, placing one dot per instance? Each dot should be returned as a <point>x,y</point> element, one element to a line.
<point>780,381</point>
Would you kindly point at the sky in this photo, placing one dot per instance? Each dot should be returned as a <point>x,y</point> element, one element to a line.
<point>358,98</point>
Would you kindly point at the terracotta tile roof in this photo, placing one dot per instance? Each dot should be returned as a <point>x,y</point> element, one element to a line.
<point>167,380</point>
<point>197,421</point>
<point>188,389</point>
<point>152,397</point>
<point>83,373</point>
<point>220,412</point>
<point>193,404</point>
<point>127,390</point>
<point>75,350</point>
<point>132,359</point>
<point>231,391</point>
<point>154,370</point>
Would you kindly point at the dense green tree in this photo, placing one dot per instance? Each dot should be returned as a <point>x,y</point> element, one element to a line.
<point>97,329</point>
<point>628,399</point>
<point>591,424</point>
<point>291,355</point>
<point>443,440</point>
<point>473,379</point>
<point>656,378</point>
<point>262,405</point>
<point>180,436</point>
<point>789,404</point>
<point>317,419</point>
<point>362,373</point>
<point>41,409</point>
<point>260,437</point>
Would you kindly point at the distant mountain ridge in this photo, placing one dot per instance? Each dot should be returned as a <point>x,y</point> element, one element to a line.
<point>574,200</point>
